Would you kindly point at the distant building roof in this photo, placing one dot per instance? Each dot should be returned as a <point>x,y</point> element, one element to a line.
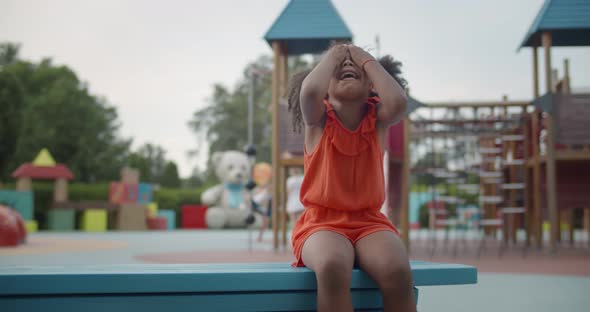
<point>308,26</point>
<point>29,170</point>
<point>568,21</point>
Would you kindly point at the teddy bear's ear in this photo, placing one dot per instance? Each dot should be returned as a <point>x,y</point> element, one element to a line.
<point>216,158</point>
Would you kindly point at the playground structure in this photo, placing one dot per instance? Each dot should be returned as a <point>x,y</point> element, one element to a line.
<point>517,150</point>
<point>524,148</point>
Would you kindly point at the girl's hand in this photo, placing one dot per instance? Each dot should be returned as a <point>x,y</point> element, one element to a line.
<point>338,52</point>
<point>359,56</point>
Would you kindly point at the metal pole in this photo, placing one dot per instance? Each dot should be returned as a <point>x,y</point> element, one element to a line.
<point>251,109</point>
<point>251,154</point>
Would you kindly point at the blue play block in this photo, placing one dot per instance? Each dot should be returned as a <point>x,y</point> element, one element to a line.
<point>21,201</point>
<point>170,216</point>
<point>145,193</point>
<point>198,287</point>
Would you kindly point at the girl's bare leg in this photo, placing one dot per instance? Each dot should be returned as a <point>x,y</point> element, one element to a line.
<point>331,257</point>
<point>383,256</point>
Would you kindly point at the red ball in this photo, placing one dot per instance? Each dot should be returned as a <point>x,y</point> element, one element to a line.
<point>22,230</point>
<point>9,232</point>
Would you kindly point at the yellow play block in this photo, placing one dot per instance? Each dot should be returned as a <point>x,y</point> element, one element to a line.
<point>546,227</point>
<point>94,220</point>
<point>563,227</point>
<point>152,209</point>
<point>31,226</point>
<point>44,159</point>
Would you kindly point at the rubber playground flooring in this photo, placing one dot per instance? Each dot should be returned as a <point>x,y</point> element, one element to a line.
<point>537,281</point>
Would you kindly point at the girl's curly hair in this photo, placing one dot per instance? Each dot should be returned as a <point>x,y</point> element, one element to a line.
<point>390,65</point>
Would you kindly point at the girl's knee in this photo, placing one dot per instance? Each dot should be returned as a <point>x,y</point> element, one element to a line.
<point>394,276</point>
<point>334,272</point>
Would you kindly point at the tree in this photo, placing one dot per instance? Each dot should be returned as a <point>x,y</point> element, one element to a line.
<point>195,180</point>
<point>8,53</point>
<point>44,105</point>
<point>150,160</point>
<point>11,102</point>
<point>223,123</point>
<point>170,176</point>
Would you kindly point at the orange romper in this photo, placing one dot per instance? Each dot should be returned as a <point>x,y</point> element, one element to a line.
<point>343,187</point>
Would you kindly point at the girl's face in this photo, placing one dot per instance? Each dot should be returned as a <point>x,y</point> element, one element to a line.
<point>349,81</point>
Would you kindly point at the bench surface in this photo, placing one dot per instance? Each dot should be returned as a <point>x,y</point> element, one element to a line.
<point>213,287</point>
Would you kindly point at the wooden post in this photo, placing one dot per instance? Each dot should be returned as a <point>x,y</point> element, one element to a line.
<point>494,186</point>
<point>507,220</point>
<point>512,194</point>
<point>275,142</point>
<point>283,201</point>
<point>550,161</point>
<point>284,70</point>
<point>24,184</point>
<point>528,217</point>
<point>405,189</point>
<point>571,221</point>
<point>535,70</point>
<point>60,190</point>
<point>284,174</point>
<point>537,216</point>
<point>586,218</point>
<point>566,87</point>
<point>561,220</point>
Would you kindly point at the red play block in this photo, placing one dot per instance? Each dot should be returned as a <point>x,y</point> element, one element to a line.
<point>157,223</point>
<point>193,217</point>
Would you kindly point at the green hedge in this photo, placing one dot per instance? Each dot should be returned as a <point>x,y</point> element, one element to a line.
<point>166,198</point>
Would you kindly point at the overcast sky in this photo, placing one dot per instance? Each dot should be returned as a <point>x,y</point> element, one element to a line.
<point>156,61</point>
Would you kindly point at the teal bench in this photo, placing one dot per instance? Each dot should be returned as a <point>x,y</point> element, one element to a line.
<point>195,287</point>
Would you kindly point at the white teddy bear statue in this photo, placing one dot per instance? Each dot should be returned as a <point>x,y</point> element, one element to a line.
<point>228,202</point>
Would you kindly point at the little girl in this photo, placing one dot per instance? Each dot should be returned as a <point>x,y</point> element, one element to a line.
<point>346,104</point>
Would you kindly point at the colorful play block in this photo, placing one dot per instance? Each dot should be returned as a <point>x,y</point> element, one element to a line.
<point>170,216</point>
<point>157,223</point>
<point>193,217</point>
<point>31,226</point>
<point>94,220</point>
<point>61,219</point>
<point>21,201</point>
<point>122,193</point>
<point>152,209</point>
<point>131,217</point>
<point>145,193</point>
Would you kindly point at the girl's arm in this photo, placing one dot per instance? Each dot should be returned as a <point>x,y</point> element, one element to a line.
<point>315,86</point>
<point>392,95</point>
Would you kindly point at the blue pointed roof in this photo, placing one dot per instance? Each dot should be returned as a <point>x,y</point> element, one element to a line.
<point>308,26</point>
<point>568,21</point>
